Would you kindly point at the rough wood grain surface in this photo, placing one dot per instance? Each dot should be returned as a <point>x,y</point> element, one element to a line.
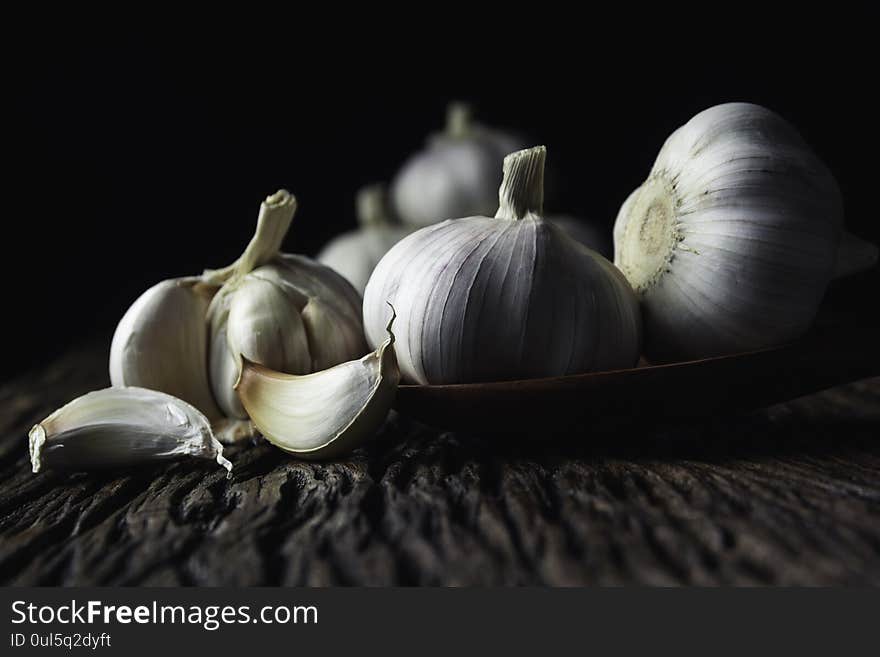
<point>786,495</point>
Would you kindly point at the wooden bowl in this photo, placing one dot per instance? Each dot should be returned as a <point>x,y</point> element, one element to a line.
<point>829,356</point>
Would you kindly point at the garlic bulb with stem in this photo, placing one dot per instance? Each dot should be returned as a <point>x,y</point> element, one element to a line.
<point>185,336</point>
<point>457,175</point>
<point>504,297</point>
<point>119,427</point>
<point>732,239</point>
<point>326,413</point>
<point>283,311</point>
<point>355,254</point>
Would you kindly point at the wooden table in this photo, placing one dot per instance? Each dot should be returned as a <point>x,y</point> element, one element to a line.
<point>786,495</point>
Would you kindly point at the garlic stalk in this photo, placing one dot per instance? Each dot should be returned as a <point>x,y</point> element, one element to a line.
<point>326,413</point>
<point>355,254</point>
<point>504,297</point>
<point>122,426</point>
<point>457,175</point>
<point>732,239</point>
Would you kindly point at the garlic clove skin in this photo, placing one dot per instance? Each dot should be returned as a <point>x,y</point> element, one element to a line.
<point>504,297</point>
<point>161,343</point>
<point>732,239</point>
<point>327,413</point>
<point>117,427</point>
<point>457,175</point>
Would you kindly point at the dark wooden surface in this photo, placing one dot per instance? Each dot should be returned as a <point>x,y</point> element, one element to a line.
<point>786,495</point>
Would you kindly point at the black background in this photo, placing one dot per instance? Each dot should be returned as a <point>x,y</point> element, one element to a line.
<point>139,157</point>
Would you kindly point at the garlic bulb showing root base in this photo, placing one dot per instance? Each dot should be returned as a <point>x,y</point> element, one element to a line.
<point>327,413</point>
<point>355,254</point>
<point>504,297</point>
<point>457,175</point>
<point>119,427</point>
<point>731,241</point>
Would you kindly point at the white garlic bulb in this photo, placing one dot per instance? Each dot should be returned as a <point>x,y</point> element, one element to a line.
<point>504,297</point>
<point>185,336</point>
<point>457,175</point>
<point>731,240</point>
<point>355,254</point>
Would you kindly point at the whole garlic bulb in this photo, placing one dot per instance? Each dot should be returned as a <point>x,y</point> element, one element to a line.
<point>355,254</point>
<point>185,337</point>
<point>457,175</point>
<point>503,297</point>
<point>731,240</point>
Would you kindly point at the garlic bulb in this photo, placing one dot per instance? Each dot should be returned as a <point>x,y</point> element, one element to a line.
<point>457,175</point>
<point>504,297</point>
<point>122,426</point>
<point>355,254</point>
<point>326,413</point>
<point>731,240</point>
<point>185,336</point>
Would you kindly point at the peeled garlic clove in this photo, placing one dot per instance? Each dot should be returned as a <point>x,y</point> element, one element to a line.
<point>120,427</point>
<point>457,175</point>
<point>732,239</point>
<point>327,413</point>
<point>355,254</point>
<point>161,343</point>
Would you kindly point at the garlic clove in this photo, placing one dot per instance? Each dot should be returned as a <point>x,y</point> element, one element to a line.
<point>161,343</point>
<point>327,413</point>
<point>122,426</point>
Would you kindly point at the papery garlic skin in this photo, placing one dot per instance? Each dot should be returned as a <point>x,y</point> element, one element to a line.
<point>327,413</point>
<point>355,254</point>
<point>731,241</point>
<point>293,315</point>
<point>161,343</point>
<point>504,297</point>
<point>457,175</point>
<point>117,427</point>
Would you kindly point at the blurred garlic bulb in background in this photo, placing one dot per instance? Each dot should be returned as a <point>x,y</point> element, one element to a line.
<point>355,254</point>
<point>457,175</point>
<point>504,297</point>
<point>732,239</point>
<point>591,235</point>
